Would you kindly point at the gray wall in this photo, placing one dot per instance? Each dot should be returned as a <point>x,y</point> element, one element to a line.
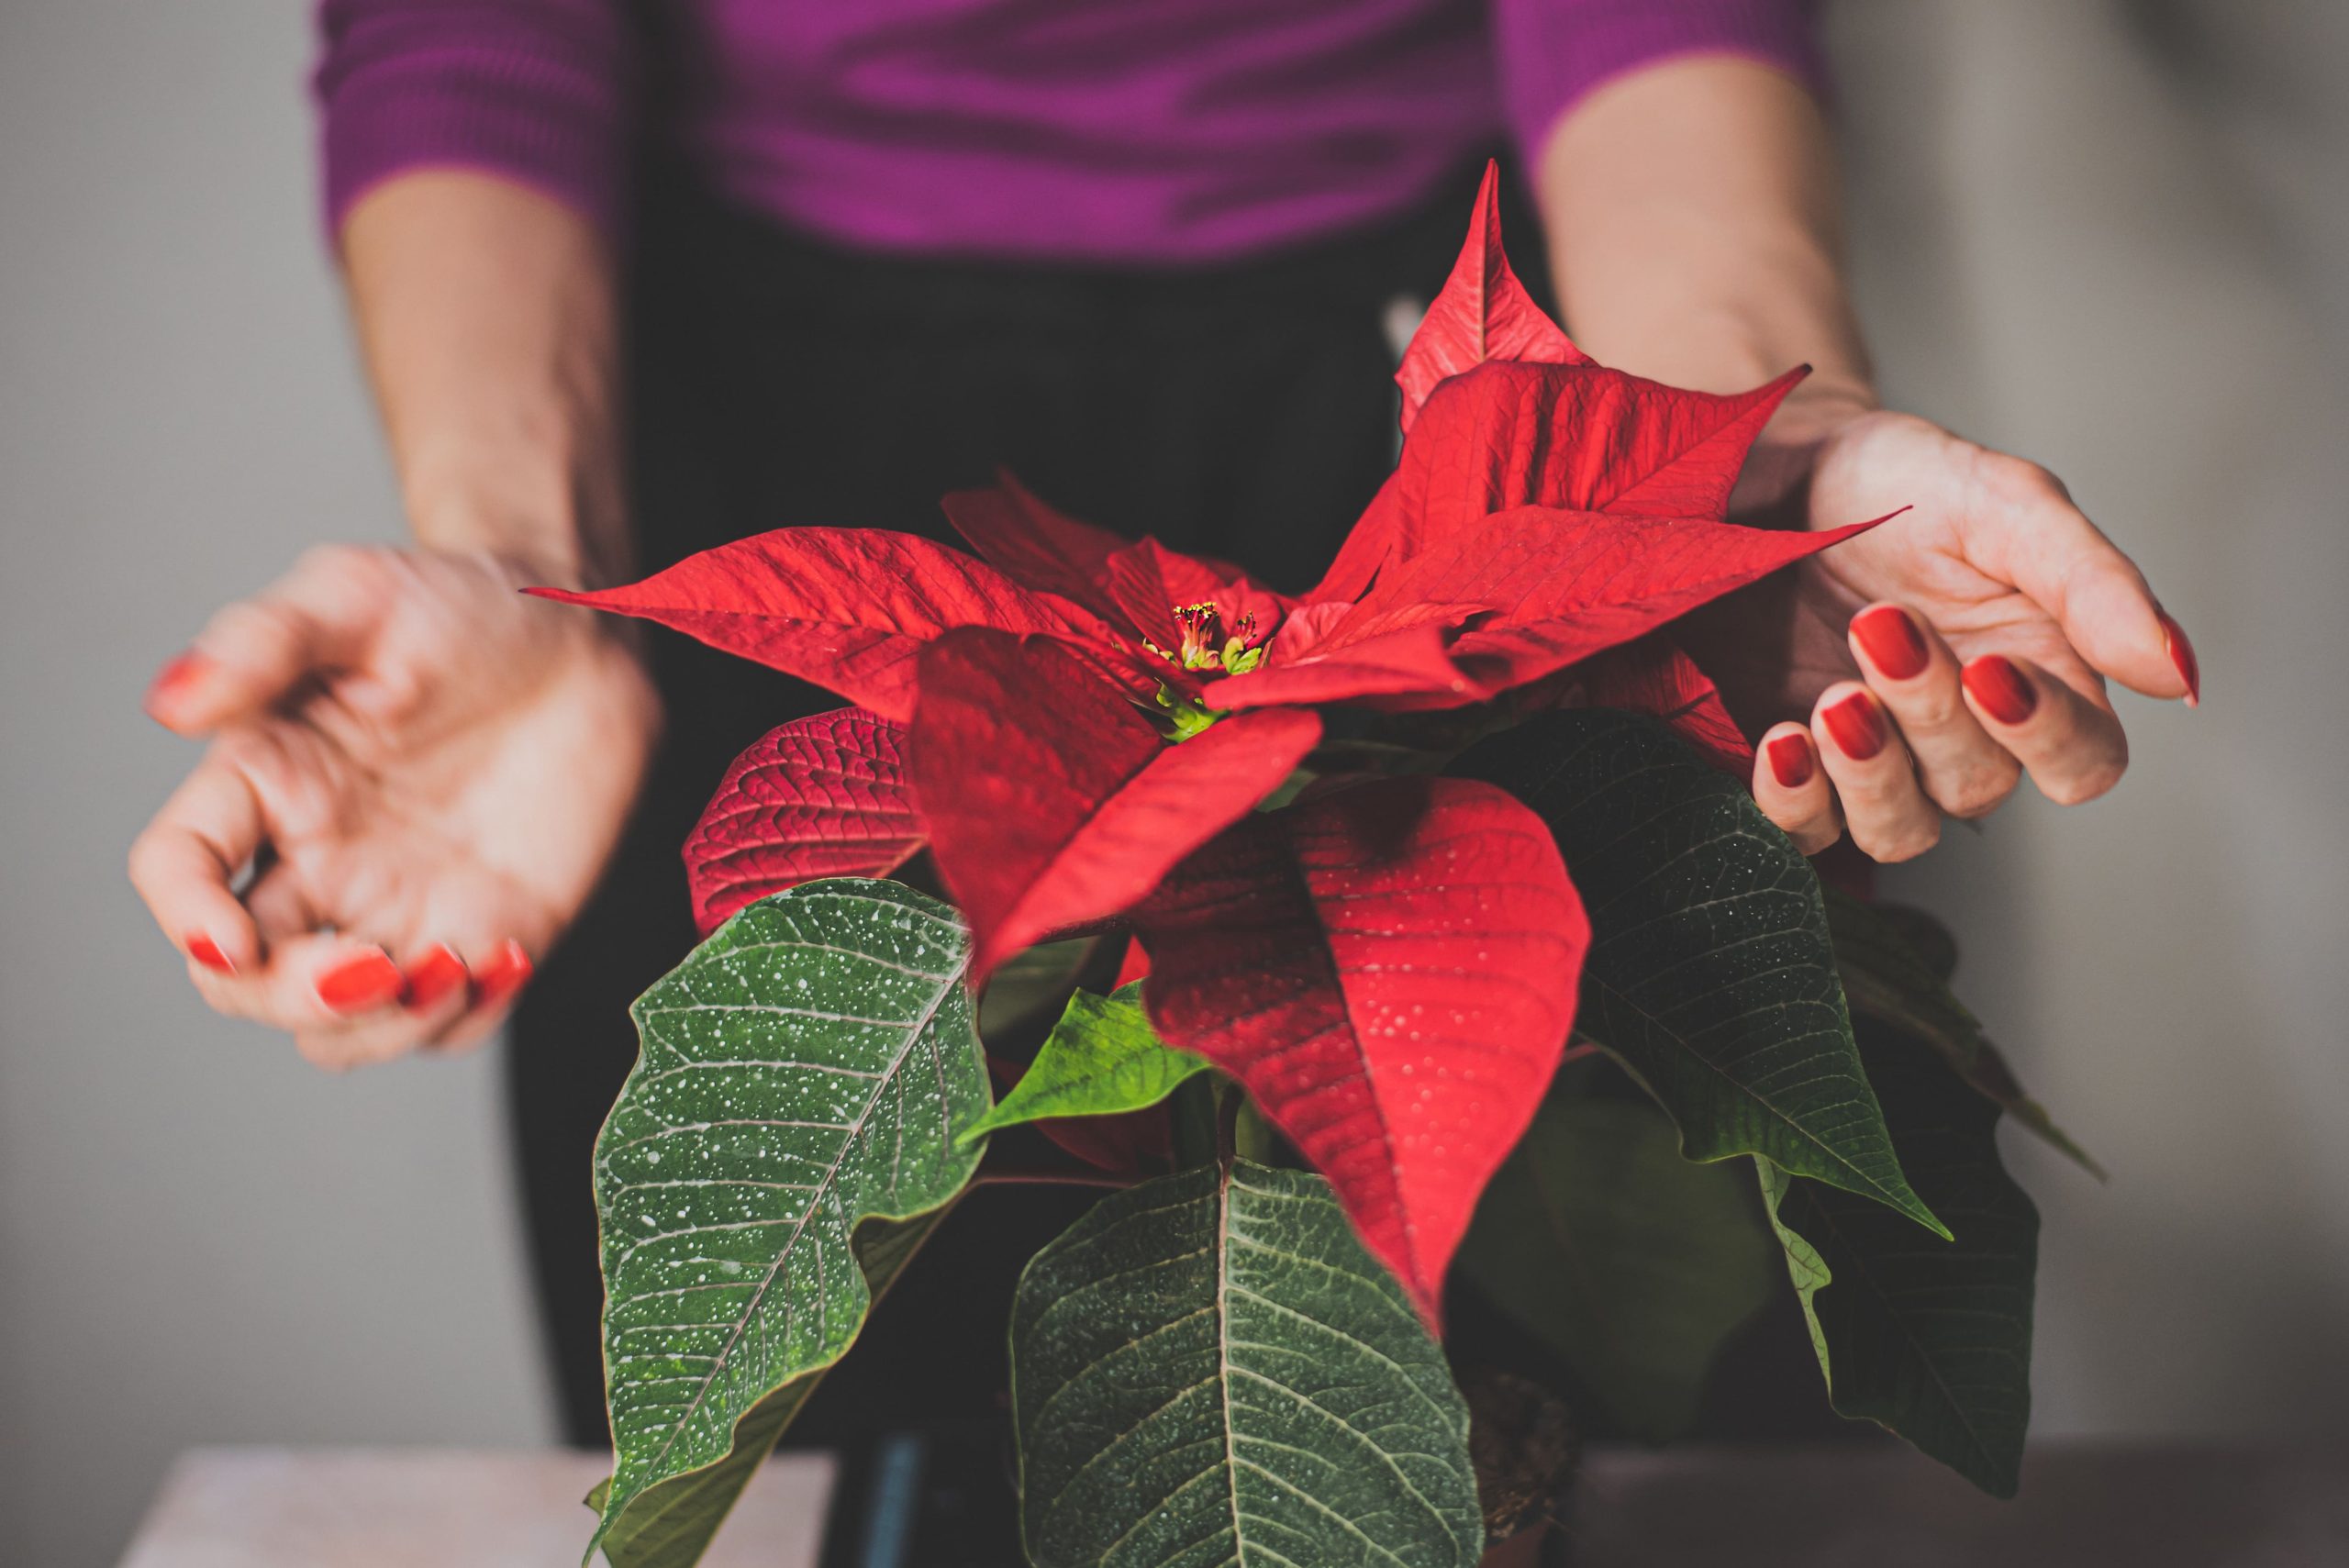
<point>2107,236</point>
<point>200,1237</point>
<point>2082,229</point>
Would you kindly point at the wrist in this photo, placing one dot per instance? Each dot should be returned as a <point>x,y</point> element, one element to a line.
<point>1826,401</point>
<point>1774,488</point>
<point>563,531</point>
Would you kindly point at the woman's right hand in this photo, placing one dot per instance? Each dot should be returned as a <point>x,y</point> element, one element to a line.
<point>426,771</point>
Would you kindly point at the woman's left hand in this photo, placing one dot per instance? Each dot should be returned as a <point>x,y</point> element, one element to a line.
<point>1940,656</point>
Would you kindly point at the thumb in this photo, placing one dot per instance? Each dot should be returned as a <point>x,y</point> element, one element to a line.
<point>319,617</point>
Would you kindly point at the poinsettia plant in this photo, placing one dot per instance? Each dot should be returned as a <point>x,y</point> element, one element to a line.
<point>1322,889</point>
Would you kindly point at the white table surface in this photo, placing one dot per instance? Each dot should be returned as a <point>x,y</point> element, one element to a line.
<point>275,1507</point>
<point>2081,1507</point>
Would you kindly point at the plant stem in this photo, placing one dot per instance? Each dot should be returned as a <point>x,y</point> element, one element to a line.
<point>1252,1135</point>
<point>1192,1109</point>
<point>1049,1179</point>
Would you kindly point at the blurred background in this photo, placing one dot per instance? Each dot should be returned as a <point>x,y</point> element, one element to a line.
<point>2113,237</point>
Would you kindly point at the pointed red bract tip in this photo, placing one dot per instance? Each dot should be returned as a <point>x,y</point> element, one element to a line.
<point>1482,313</point>
<point>844,608</point>
<point>1391,969</point>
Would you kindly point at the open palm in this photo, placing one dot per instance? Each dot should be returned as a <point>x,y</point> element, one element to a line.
<point>1929,663</point>
<point>426,773</point>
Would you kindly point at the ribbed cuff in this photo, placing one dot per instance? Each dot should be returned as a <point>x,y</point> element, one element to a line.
<point>552,120</point>
<point>1552,53</point>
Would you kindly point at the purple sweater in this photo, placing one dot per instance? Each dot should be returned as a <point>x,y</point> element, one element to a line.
<point>1151,131</point>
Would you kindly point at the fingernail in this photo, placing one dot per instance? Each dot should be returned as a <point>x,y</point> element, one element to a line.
<point>1894,644</point>
<point>1790,761</point>
<point>434,975</point>
<point>2005,695</point>
<point>175,677</point>
<point>207,951</point>
<point>356,985</point>
<point>2181,653</point>
<point>506,972</point>
<point>1857,726</point>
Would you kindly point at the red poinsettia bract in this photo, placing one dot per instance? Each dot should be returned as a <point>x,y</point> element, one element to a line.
<point>1080,728</point>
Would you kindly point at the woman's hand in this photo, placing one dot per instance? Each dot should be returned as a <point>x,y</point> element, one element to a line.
<point>426,773</point>
<point>1923,667</point>
<point>1941,656</point>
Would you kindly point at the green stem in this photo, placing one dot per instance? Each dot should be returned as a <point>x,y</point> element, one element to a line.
<point>1192,1109</point>
<point>1049,1179</point>
<point>1252,1135</point>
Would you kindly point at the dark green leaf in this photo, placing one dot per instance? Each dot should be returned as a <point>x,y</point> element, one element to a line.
<point>1101,1058</point>
<point>1931,1341</point>
<point>1628,1263</point>
<point>1896,963</point>
<point>1710,975</point>
<point>1925,937</point>
<point>809,1068</point>
<point>1209,1371</point>
<point>671,1523</point>
<point>1029,988</point>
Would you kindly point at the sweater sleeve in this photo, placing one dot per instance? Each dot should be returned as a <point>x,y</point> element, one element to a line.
<point>537,91</point>
<point>1554,52</point>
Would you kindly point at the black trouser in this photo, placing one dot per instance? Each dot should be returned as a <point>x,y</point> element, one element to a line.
<point>1247,412</point>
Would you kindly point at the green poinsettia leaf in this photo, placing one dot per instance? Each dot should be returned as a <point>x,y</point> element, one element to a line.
<point>1028,989</point>
<point>1710,974</point>
<point>1933,1342</point>
<point>1628,1263</point>
<point>1926,938</point>
<point>1896,963</point>
<point>1102,1058</point>
<point>808,1069</point>
<point>670,1524</point>
<point>1209,1370</point>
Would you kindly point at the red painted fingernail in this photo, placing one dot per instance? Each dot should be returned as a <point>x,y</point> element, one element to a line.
<point>1857,726</point>
<point>434,975</point>
<point>2005,694</point>
<point>175,677</point>
<point>207,951</point>
<point>1893,642</point>
<point>508,970</point>
<point>356,985</point>
<point>2181,653</point>
<point>1791,760</point>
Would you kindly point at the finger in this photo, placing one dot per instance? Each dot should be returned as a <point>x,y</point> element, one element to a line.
<point>319,982</point>
<point>432,994</point>
<point>252,655</point>
<point>2073,748</point>
<point>348,1003</point>
<point>2048,548</point>
<point>436,979</point>
<point>1793,790</point>
<point>185,862</point>
<point>440,992</point>
<point>1884,806</point>
<point>1915,676</point>
<point>498,983</point>
<point>355,1026</point>
<point>341,1047</point>
<point>282,906</point>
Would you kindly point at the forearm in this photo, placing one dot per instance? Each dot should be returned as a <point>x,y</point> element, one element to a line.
<point>486,313</point>
<point>1695,233</point>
